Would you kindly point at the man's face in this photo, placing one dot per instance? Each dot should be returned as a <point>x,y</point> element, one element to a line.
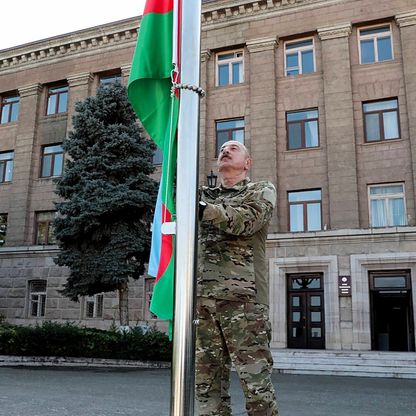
<point>233,156</point>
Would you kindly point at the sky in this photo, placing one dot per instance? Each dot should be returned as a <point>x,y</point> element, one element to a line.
<point>24,21</point>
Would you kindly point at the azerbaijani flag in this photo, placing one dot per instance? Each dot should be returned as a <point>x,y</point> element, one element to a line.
<point>155,64</point>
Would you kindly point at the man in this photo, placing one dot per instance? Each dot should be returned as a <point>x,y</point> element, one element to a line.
<point>232,303</point>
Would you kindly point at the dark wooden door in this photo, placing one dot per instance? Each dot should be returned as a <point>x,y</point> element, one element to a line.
<point>306,320</point>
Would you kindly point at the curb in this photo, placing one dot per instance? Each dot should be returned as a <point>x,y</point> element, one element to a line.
<point>29,361</point>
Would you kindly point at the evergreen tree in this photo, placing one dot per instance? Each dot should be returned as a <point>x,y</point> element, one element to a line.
<point>107,198</point>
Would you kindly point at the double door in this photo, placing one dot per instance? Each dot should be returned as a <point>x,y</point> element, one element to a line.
<point>306,320</point>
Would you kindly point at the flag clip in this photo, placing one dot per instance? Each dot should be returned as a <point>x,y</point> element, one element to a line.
<point>169,228</point>
<point>200,91</point>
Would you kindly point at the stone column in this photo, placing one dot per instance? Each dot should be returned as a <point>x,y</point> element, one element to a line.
<point>340,137</point>
<point>263,116</point>
<point>125,73</point>
<point>18,217</point>
<point>203,168</point>
<point>407,25</point>
<point>263,112</point>
<point>79,89</point>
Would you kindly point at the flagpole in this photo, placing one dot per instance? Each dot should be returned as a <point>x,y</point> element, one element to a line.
<point>183,360</point>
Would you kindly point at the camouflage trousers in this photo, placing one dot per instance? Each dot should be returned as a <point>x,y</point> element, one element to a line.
<point>235,333</point>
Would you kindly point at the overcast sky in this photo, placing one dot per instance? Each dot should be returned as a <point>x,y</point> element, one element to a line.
<point>24,21</point>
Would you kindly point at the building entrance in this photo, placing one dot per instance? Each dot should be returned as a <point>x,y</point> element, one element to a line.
<point>306,320</point>
<point>391,311</point>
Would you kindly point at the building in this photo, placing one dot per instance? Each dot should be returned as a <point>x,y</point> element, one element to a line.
<point>322,92</point>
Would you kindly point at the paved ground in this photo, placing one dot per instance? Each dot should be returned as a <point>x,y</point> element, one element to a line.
<point>105,392</point>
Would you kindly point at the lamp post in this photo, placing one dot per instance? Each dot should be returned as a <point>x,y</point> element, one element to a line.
<point>212,180</point>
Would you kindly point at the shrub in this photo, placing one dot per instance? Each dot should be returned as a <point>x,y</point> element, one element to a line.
<point>70,340</point>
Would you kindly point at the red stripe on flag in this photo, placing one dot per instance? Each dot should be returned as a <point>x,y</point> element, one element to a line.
<point>166,245</point>
<point>158,6</point>
<point>177,74</point>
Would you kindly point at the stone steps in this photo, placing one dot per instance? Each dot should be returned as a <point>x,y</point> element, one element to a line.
<point>346,363</point>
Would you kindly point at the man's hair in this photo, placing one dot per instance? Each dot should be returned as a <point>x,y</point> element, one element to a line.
<point>240,145</point>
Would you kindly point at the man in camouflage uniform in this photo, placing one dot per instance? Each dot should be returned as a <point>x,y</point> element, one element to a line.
<point>232,304</point>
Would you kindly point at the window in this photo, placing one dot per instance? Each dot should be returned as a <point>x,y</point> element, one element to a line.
<point>399,279</point>
<point>6,166</point>
<point>149,285</point>
<point>110,79</point>
<point>230,68</point>
<point>9,109</point>
<point>381,120</point>
<point>302,129</point>
<point>226,130</point>
<point>375,44</point>
<point>37,298</point>
<point>44,228</point>
<point>94,306</point>
<point>158,156</point>
<point>305,210</point>
<point>52,161</point>
<point>387,205</point>
<point>57,100</point>
<point>3,229</point>
<point>299,57</point>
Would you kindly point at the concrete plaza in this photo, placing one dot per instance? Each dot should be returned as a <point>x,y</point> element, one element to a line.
<point>114,392</point>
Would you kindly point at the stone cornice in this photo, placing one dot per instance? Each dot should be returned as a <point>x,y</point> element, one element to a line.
<point>406,19</point>
<point>28,90</point>
<point>124,33</point>
<point>262,44</point>
<point>223,12</point>
<point>112,35</point>
<point>391,234</point>
<point>334,31</point>
<point>75,80</point>
<point>28,250</point>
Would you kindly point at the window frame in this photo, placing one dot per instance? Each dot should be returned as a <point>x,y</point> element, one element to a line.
<point>229,61</point>
<point>3,223</point>
<point>305,212</point>
<point>41,301</point>
<point>116,76</point>
<point>373,274</point>
<point>3,167</point>
<point>386,198</point>
<point>149,283</point>
<point>52,161</point>
<point>157,159</point>
<point>98,306</point>
<point>58,94</point>
<point>49,224</point>
<point>374,37</point>
<point>303,135</point>
<point>299,51</point>
<point>229,131</point>
<point>11,104</point>
<point>381,120</point>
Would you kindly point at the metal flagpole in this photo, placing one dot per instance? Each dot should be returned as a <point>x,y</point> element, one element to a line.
<point>183,361</point>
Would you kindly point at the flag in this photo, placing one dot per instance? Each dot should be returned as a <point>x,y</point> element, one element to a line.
<point>149,91</point>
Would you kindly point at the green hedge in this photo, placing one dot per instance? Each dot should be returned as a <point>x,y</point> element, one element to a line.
<point>70,340</point>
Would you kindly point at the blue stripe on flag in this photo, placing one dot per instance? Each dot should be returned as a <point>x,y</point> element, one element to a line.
<point>156,237</point>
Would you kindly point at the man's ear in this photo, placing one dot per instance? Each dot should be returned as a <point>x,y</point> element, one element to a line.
<point>248,164</point>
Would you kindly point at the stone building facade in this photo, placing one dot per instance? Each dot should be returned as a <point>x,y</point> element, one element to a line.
<point>322,92</point>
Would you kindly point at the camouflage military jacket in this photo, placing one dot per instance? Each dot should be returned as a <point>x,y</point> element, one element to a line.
<point>232,239</point>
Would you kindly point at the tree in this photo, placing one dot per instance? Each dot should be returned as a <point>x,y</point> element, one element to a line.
<point>107,198</point>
